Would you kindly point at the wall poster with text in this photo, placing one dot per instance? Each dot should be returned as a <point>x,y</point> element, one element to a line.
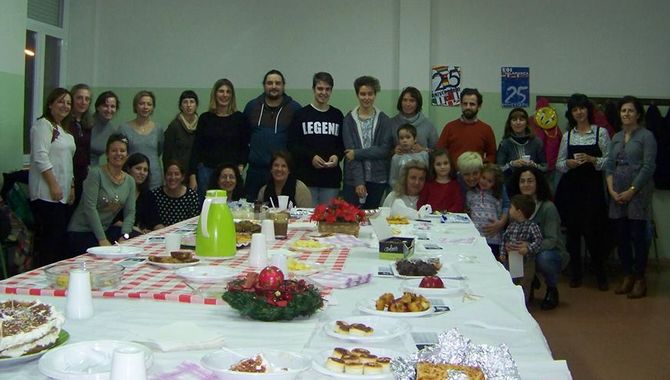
<point>515,90</point>
<point>446,85</point>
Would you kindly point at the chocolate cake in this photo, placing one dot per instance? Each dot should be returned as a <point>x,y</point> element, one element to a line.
<point>27,327</point>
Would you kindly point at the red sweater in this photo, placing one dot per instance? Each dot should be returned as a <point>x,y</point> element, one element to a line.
<point>458,137</point>
<point>442,196</point>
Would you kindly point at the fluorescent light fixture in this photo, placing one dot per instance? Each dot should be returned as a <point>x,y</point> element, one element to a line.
<point>29,52</point>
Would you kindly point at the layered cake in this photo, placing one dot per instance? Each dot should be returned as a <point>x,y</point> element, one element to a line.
<point>27,327</point>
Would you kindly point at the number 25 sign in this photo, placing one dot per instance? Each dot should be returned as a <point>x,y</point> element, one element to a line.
<point>515,91</point>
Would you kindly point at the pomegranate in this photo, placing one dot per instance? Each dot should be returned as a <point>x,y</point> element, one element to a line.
<point>431,282</point>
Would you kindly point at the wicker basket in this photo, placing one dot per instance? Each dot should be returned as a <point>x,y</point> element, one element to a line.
<point>349,228</point>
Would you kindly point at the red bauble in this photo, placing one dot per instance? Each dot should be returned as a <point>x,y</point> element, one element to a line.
<point>431,282</point>
<point>270,278</point>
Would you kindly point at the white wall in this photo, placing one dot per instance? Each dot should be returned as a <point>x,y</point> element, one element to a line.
<point>608,47</point>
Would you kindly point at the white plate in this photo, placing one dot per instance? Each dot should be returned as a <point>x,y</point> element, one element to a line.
<point>220,362</point>
<point>319,364</point>
<point>207,273</point>
<point>368,307</point>
<point>91,360</point>
<point>63,337</point>
<point>321,248</point>
<point>115,251</point>
<point>313,268</point>
<point>446,271</point>
<point>450,287</point>
<point>384,328</point>
<point>173,265</point>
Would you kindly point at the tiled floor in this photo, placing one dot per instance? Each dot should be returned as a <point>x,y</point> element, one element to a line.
<point>607,336</point>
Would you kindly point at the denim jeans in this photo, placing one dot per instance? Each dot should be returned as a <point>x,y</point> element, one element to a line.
<point>203,177</point>
<point>372,201</point>
<point>632,238</point>
<point>548,263</point>
<point>323,195</point>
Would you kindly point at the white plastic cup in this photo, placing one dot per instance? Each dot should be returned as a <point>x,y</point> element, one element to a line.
<point>280,261</point>
<point>172,242</point>
<point>128,364</point>
<point>268,229</point>
<point>258,253</point>
<point>283,202</point>
<point>79,303</point>
<point>526,157</point>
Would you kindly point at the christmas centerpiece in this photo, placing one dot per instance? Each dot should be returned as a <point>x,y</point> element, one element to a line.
<point>338,216</point>
<point>267,296</point>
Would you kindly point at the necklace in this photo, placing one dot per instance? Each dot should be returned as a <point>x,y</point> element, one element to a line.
<point>116,178</point>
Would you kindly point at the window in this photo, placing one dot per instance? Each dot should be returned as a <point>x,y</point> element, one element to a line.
<point>44,67</point>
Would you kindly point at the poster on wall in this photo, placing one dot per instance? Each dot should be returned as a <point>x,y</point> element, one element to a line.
<point>446,85</point>
<point>515,90</point>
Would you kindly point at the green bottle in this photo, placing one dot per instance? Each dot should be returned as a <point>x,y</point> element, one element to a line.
<point>215,235</point>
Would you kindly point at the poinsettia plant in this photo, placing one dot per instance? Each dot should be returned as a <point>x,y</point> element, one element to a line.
<point>338,210</point>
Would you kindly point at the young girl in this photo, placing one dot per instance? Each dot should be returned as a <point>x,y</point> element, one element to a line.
<point>484,203</point>
<point>441,192</point>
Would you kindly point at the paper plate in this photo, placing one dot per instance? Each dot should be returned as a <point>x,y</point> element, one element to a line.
<point>173,265</point>
<point>220,362</point>
<point>322,247</point>
<point>91,360</point>
<point>384,328</point>
<point>207,273</point>
<point>115,251</point>
<point>319,364</point>
<point>63,337</point>
<point>368,307</point>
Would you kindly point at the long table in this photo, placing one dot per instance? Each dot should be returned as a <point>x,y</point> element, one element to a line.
<point>490,311</point>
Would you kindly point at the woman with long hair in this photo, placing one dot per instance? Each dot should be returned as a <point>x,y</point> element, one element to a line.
<point>107,190</point>
<point>227,177</point>
<point>222,136</point>
<point>580,194</point>
<point>50,176</point>
<point>283,182</point>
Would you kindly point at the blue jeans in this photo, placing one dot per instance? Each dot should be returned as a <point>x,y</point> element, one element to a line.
<point>323,195</point>
<point>548,263</point>
<point>203,177</point>
<point>257,177</point>
<point>372,201</point>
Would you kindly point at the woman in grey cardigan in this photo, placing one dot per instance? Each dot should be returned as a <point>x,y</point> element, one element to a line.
<point>366,132</point>
<point>629,172</point>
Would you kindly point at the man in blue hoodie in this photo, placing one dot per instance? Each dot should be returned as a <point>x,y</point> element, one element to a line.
<point>269,117</point>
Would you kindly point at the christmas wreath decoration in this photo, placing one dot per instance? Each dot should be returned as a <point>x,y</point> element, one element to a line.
<point>267,296</point>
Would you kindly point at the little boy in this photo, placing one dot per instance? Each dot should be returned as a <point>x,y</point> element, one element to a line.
<point>406,141</point>
<point>522,236</point>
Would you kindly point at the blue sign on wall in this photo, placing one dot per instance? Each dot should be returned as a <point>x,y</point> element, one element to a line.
<point>515,86</point>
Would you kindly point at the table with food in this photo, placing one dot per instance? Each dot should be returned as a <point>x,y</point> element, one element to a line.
<point>400,298</point>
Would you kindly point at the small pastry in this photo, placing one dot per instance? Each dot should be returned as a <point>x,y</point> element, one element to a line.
<point>360,351</point>
<point>339,352</point>
<point>360,329</point>
<point>372,369</point>
<point>354,369</point>
<point>335,364</point>
<point>342,327</point>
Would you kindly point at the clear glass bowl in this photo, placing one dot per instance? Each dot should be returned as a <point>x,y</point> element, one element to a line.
<point>103,276</point>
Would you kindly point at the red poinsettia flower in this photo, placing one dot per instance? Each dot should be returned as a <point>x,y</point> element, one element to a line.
<point>337,211</point>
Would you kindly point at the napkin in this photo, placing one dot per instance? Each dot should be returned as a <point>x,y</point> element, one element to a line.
<point>187,371</point>
<point>344,240</point>
<point>398,208</point>
<point>340,280</point>
<point>179,336</point>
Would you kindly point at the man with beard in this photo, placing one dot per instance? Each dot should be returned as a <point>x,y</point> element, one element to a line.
<point>269,117</point>
<point>315,141</point>
<point>468,134</point>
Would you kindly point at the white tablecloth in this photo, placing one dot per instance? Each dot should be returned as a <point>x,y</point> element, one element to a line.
<point>497,315</point>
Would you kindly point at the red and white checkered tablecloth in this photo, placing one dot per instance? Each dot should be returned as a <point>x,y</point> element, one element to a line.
<point>147,281</point>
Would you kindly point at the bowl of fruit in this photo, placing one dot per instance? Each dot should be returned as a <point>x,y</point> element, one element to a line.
<point>103,276</point>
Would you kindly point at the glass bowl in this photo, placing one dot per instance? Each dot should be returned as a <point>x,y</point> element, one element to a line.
<point>103,276</point>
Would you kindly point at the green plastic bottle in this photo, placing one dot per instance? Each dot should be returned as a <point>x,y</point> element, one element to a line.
<point>215,235</point>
